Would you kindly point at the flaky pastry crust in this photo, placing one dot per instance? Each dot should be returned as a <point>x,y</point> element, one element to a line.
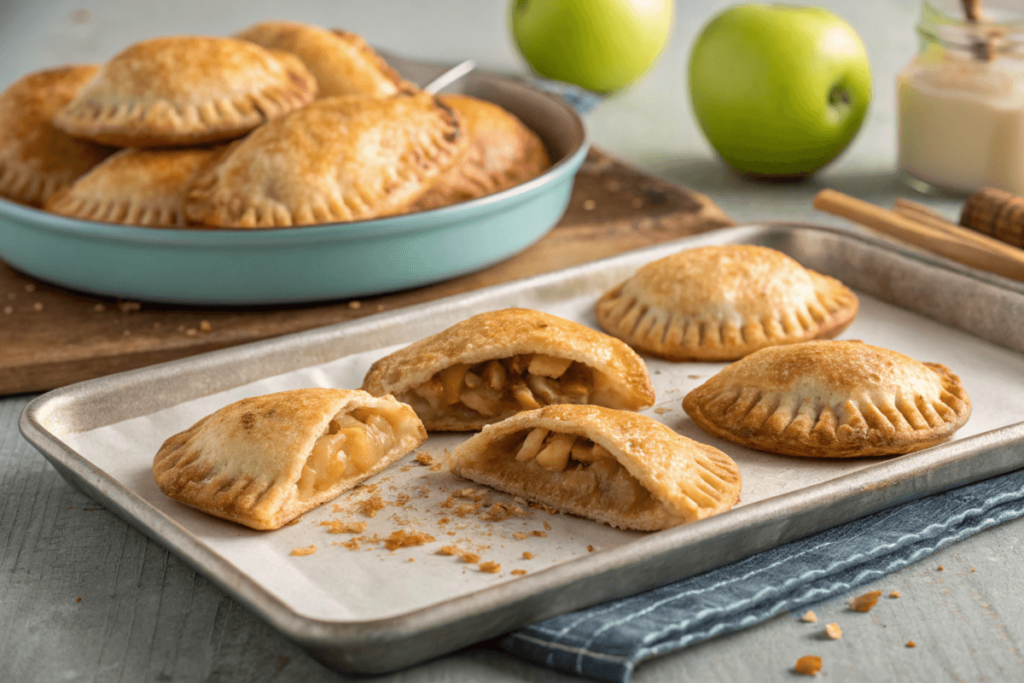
<point>723,302</point>
<point>500,153</point>
<point>136,187</point>
<point>505,334</point>
<point>37,159</point>
<point>186,90</point>
<point>831,399</point>
<point>248,461</point>
<point>326,163</point>
<point>342,63</point>
<point>682,480</point>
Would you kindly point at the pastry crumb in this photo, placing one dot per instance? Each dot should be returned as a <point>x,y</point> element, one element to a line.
<point>940,568</point>
<point>339,527</point>
<point>662,411</point>
<point>355,305</point>
<point>129,306</point>
<point>191,332</point>
<point>973,569</point>
<point>894,594</point>
<point>424,458</point>
<point>527,555</point>
<point>469,558</point>
<point>589,205</point>
<point>590,548</point>
<point>99,308</point>
<point>518,572</point>
<point>833,631</point>
<point>205,326</point>
<point>308,550</point>
<point>519,536</point>
<point>30,288</point>
<point>864,603</point>
<point>490,567</point>
<point>539,534</point>
<point>808,665</point>
<point>809,617</point>
<point>412,559</point>
<point>38,306</point>
<point>911,643</point>
<point>372,505</point>
<point>404,538</point>
<point>80,599</point>
<point>448,550</point>
<point>8,310</point>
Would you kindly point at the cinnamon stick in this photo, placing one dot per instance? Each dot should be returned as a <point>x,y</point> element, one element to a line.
<point>952,245</point>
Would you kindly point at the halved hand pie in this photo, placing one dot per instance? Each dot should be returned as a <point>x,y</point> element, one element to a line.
<point>36,159</point>
<point>265,460</point>
<point>186,90</point>
<point>613,466</point>
<point>342,63</point>
<point>339,159</point>
<point>723,302</point>
<point>496,364</point>
<point>136,187</point>
<point>500,153</point>
<point>831,399</point>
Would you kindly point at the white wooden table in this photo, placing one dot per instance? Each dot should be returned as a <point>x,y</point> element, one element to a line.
<point>83,597</point>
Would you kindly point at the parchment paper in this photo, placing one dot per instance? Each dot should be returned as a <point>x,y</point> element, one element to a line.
<point>370,582</point>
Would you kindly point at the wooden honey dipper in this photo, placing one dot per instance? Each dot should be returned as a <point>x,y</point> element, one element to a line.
<point>995,213</point>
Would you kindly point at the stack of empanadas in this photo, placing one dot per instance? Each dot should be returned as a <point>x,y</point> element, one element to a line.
<point>321,130</point>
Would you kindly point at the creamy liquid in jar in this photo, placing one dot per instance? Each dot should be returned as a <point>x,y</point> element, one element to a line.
<point>961,122</point>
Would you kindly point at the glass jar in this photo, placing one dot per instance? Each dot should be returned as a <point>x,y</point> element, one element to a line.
<point>961,100</point>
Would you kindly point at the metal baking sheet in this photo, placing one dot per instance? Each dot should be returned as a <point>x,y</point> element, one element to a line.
<point>372,610</point>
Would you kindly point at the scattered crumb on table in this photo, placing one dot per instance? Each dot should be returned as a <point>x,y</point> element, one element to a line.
<point>808,665</point>
<point>833,631</point>
<point>809,617</point>
<point>308,550</point>
<point>864,603</point>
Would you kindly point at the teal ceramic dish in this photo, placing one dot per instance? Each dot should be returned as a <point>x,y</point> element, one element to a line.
<point>315,263</point>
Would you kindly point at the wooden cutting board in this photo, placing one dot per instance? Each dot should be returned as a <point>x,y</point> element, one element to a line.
<point>50,337</point>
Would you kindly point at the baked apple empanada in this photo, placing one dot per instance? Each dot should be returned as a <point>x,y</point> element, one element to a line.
<point>831,399</point>
<point>136,187</point>
<point>500,153</point>
<point>617,467</point>
<point>265,460</point>
<point>339,159</point>
<point>36,159</point>
<point>723,302</point>
<point>186,90</point>
<point>342,63</point>
<point>496,364</point>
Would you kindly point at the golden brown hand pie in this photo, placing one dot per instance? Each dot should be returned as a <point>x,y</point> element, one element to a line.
<point>342,63</point>
<point>500,153</point>
<point>36,159</point>
<point>136,187</point>
<point>831,399</point>
<point>723,302</point>
<point>265,460</point>
<point>617,467</point>
<point>339,159</point>
<point>186,90</point>
<point>496,364</point>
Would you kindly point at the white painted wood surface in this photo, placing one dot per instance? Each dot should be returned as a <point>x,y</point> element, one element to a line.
<point>144,616</point>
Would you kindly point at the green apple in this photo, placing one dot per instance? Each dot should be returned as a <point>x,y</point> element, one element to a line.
<point>600,45</point>
<point>779,90</point>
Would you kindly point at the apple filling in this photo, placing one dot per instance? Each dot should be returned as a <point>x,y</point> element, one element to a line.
<point>587,471</point>
<point>351,445</point>
<point>505,386</point>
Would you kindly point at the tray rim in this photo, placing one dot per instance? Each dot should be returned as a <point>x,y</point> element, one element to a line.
<point>320,635</point>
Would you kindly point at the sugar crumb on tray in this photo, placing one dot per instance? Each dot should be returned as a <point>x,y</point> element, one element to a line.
<point>405,538</point>
<point>490,567</point>
<point>833,631</point>
<point>809,617</point>
<point>338,527</point>
<point>300,552</point>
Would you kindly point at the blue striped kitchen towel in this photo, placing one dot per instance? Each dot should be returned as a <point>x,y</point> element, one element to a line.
<point>606,642</point>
